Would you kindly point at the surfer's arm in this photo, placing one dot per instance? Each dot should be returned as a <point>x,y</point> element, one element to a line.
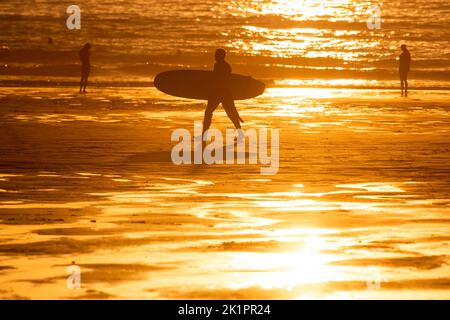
<point>229,70</point>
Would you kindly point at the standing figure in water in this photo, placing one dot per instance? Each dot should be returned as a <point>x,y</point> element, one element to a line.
<point>405,63</point>
<point>85,55</point>
<point>221,93</point>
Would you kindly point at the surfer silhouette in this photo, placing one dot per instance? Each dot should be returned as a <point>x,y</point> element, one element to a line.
<point>85,54</point>
<point>405,63</point>
<point>221,93</point>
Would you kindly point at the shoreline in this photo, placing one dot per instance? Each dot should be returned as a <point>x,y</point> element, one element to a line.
<point>149,84</point>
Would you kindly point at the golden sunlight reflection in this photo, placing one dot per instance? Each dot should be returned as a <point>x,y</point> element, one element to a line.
<point>306,264</point>
<point>298,9</point>
<point>372,187</point>
<point>307,205</point>
<point>326,82</point>
<point>307,42</point>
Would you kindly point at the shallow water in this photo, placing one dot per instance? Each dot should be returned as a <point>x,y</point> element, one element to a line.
<point>358,209</point>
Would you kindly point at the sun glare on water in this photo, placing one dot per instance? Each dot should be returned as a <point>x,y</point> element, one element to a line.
<point>301,28</point>
<point>301,9</point>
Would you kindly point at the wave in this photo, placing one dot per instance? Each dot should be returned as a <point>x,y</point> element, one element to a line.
<point>270,83</point>
<point>267,71</point>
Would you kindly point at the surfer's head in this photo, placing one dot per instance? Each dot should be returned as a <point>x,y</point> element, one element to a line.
<point>220,55</point>
<point>87,46</point>
<point>403,47</point>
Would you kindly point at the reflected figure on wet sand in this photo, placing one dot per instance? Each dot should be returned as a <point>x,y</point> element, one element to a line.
<point>85,55</point>
<point>221,93</point>
<point>405,63</point>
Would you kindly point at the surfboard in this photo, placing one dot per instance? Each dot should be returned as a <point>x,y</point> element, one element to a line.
<point>196,84</point>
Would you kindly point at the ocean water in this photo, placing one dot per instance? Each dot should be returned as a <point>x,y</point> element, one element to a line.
<point>309,42</point>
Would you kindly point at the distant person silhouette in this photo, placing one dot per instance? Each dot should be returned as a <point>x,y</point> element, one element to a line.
<point>85,55</point>
<point>405,64</point>
<point>221,93</point>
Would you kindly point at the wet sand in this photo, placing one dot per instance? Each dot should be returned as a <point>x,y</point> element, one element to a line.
<point>358,209</point>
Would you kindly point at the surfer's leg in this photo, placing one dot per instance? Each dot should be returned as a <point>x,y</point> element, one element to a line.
<point>82,80</point>
<point>86,77</point>
<point>212,105</point>
<point>232,113</point>
<point>406,87</point>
